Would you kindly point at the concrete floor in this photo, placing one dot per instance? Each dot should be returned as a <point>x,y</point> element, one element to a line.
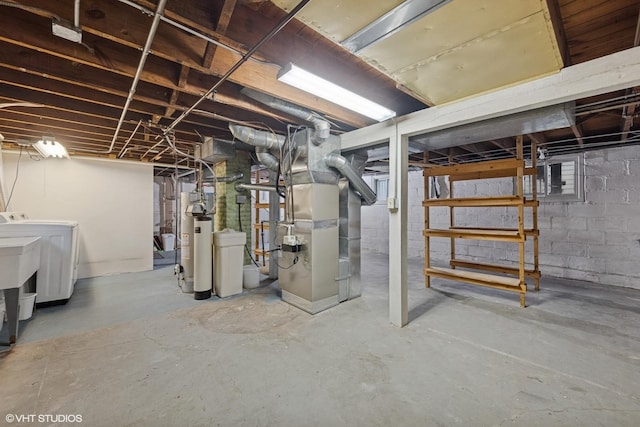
<point>130,350</point>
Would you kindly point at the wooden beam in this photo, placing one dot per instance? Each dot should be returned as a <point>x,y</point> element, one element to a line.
<point>628,112</point>
<point>40,66</point>
<point>577,132</point>
<point>555,16</point>
<point>182,81</point>
<point>506,144</point>
<point>170,46</point>
<point>538,137</point>
<point>221,28</point>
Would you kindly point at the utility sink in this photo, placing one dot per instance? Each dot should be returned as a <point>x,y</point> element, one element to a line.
<point>19,259</point>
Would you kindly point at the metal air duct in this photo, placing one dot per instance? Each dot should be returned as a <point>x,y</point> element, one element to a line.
<point>267,159</point>
<point>343,166</point>
<point>322,127</point>
<point>257,138</point>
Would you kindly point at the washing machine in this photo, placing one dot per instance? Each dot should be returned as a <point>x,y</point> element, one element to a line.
<point>58,269</point>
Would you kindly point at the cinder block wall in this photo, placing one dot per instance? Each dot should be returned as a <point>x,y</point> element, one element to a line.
<point>226,208</point>
<point>597,240</point>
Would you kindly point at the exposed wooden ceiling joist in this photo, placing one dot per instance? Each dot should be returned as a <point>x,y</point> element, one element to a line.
<point>88,84</point>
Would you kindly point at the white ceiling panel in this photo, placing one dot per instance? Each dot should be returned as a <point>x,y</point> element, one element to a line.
<point>464,48</point>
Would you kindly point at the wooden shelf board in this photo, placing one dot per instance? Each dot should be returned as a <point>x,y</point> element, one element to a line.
<point>476,234</point>
<point>478,167</point>
<point>482,279</point>
<point>529,232</point>
<point>260,205</point>
<point>493,201</point>
<point>489,174</point>
<point>494,268</point>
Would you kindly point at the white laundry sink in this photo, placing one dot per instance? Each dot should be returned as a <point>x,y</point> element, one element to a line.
<point>19,259</point>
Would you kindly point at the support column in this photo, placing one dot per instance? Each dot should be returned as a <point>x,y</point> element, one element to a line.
<point>397,204</point>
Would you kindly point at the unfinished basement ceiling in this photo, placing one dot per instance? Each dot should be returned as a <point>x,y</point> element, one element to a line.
<point>464,48</point>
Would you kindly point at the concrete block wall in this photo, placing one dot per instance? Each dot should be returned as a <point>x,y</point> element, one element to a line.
<point>596,240</point>
<point>226,207</point>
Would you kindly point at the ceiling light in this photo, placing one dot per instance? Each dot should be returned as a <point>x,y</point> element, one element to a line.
<point>308,82</point>
<point>49,147</point>
<point>391,22</point>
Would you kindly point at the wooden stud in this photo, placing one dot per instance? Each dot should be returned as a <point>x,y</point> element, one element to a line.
<point>521,244</point>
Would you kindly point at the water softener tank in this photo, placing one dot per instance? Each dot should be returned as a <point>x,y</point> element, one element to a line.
<point>202,257</point>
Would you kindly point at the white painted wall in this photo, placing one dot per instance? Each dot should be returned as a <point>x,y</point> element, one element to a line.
<point>596,240</point>
<point>112,200</point>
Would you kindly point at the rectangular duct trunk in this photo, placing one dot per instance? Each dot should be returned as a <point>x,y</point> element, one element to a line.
<point>217,150</point>
<point>540,120</point>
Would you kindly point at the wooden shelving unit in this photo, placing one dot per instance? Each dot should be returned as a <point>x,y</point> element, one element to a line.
<point>510,278</point>
<point>260,177</point>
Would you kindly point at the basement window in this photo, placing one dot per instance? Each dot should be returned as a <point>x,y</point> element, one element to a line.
<point>382,189</point>
<point>559,179</point>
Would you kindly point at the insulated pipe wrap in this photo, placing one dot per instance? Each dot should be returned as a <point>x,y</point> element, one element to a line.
<point>343,166</point>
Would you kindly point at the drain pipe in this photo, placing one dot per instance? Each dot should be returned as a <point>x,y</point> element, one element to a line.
<point>322,127</point>
<point>343,166</point>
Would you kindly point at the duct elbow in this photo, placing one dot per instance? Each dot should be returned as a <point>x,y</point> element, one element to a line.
<point>267,159</point>
<point>322,127</point>
<point>322,130</point>
<point>336,161</point>
<point>256,137</point>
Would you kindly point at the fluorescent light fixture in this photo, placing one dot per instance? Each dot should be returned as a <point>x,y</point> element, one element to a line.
<point>308,82</point>
<point>391,22</point>
<point>49,147</point>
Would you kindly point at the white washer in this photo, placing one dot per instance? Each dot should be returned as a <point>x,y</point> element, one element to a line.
<point>58,270</point>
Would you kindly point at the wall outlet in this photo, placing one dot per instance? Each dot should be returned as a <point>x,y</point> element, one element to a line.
<point>241,199</point>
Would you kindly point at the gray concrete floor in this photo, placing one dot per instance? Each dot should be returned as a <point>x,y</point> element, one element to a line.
<point>131,350</point>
